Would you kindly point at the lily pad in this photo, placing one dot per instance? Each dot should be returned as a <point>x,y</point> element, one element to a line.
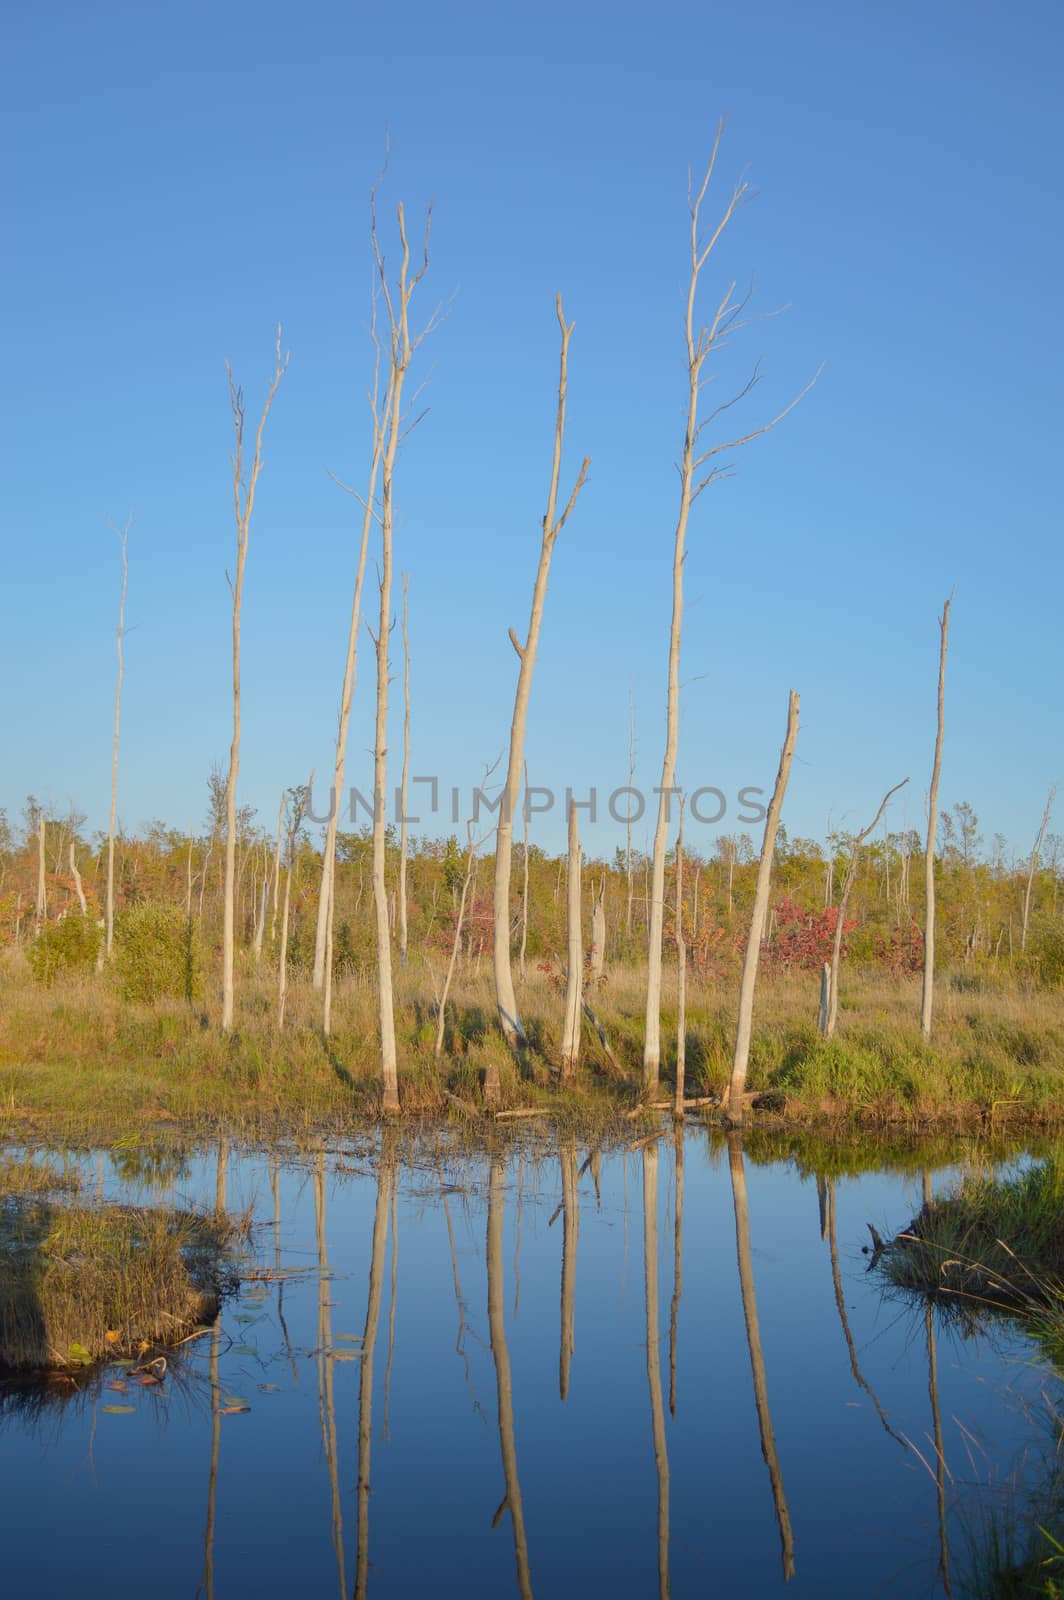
<point>118,1411</point>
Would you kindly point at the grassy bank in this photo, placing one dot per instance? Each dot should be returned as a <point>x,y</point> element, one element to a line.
<point>78,1056</point>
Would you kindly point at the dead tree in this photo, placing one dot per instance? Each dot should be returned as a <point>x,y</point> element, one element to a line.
<point>505,998</point>
<point>698,468</point>
<point>120,633</point>
<point>401,348</point>
<point>347,689</point>
<point>828,1023</point>
<point>403,841</point>
<point>597,961</point>
<point>928,993</point>
<point>574,979</point>
<point>42,882</point>
<point>1033,868</point>
<point>243,506</point>
<point>681,977</point>
<point>297,803</point>
<point>735,1093</point>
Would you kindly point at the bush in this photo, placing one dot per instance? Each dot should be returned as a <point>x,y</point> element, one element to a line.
<point>67,946</point>
<point>157,954</point>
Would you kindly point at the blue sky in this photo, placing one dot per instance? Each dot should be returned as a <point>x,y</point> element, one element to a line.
<point>179,179</point>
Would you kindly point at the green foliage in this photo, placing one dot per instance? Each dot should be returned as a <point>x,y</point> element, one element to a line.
<point>67,946</point>
<point>1046,951</point>
<point>157,954</point>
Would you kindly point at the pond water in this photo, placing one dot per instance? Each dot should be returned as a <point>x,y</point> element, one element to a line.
<point>532,1369</point>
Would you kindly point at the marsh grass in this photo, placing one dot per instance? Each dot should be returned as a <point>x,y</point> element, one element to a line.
<point>78,1055</point>
<point>82,1283</point>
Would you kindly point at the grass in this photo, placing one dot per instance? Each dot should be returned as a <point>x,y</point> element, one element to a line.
<point>83,1283</point>
<point>78,1057</point>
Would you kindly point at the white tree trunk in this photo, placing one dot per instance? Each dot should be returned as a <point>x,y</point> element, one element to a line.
<point>405,775</point>
<point>42,889</point>
<point>697,469</point>
<point>574,980</point>
<point>109,905</point>
<point>1033,868</point>
<point>733,1098</point>
<point>598,933</point>
<point>828,1028</point>
<point>401,350</point>
<point>505,998</point>
<point>681,977</point>
<point>76,875</point>
<point>928,992</point>
<point>244,504</point>
<point>524,886</point>
<point>276,891</point>
<point>336,798</point>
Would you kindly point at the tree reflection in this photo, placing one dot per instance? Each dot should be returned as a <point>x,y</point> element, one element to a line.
<point>657,1408</point>
<point>757,1359</point>
<point>501,1356</point>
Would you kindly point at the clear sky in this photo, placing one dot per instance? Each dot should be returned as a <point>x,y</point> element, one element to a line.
<point>179,178</point>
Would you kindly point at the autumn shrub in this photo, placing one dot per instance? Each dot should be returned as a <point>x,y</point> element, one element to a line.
<point>70,945</point>
<point>157,954</point>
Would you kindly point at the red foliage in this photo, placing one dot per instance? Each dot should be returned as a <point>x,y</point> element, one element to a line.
<point>902,954</point>
<point>803,940</point>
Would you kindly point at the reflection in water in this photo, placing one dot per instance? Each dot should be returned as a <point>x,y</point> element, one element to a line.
<point>570,1235</point>
<point>677,1269</point>
<point>829,1225</point>
<point>385,1186</point>
<point>501,1355</point>
<point>326,1396</point>
<point>314,1234</point>
<point>757,1359</point>
<point>657,1409</point>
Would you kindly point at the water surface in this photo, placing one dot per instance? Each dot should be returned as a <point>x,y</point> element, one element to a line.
<point>532,1369</point>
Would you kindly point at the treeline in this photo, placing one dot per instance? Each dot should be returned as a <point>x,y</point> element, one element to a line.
<point>981,897</point>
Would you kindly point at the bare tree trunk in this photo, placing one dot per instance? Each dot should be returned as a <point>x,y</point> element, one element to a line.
<point>598,933</point>
<point>574,978</point>
<point>243,504</point>
<point>681,978</point>
<point>260,917</point>
<point>524,885</point>
<point>42,889</point>
<point>401,350</point>
<point>505,999</point>
<point>276,890</point>
<point>405,775</point>
<point>298,805</point>
<point>1033,868</point>
<point>757,1358</point>
<point>653,1345</point>
<point>456,945</point>
<point>836,949</point>
<point>701,342</point>
<point>928,993</point>
<point>328,863</point>
<point>733,1096</point>
<point>76,875</point>
<point>500,1352</point>
<point>120,633</point>
<point>629,883</point>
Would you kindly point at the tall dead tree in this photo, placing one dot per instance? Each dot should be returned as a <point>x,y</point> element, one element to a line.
<point>243,506</point>
<point>698,468</point>
<point>927,997</point>
<point>681,977</point>
<point>296,801</point>
<point>574,979</point>
<point>1033,867</point>
<point>378,420</point>
<point>120,633</point>
<point>829,1013</point>
<point>524,884</point>
<point>735,1093</point>
<point>505,999</point>
<point>404,780</point>
<point>401,348</point>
